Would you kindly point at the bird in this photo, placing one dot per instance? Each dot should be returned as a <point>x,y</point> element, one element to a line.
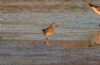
<point>49,30</point>
<point>95,8</point>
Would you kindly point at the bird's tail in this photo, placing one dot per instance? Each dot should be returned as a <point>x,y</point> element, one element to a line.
<point>43,30</point>
<point>91,5</point>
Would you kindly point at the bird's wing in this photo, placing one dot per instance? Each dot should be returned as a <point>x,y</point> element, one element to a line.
<point>98,8</point>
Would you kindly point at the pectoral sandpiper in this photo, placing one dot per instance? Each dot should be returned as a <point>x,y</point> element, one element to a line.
<point>49,30</point>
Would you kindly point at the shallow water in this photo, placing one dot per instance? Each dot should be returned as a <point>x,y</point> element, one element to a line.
<point>71,25</point>
<point>29,54</point>
<point>19,30</point>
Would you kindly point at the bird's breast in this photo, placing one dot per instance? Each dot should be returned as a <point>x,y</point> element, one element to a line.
<point>50,31</point>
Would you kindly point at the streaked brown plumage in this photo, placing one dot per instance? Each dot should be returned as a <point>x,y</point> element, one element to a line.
<point>49,30</point>
<point>95,8</point>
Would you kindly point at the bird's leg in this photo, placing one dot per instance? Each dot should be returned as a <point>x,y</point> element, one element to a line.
<point>46,37</point>
<point>47,40</point>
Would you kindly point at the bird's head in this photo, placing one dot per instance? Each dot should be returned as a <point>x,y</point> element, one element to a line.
<point>54,24</point>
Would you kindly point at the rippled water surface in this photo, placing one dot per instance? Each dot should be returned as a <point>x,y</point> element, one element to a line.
<point>71,25</point>
<point>22,41</point>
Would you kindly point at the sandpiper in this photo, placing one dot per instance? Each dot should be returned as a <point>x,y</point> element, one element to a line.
<point>49,30</point>
<point>95,8</point>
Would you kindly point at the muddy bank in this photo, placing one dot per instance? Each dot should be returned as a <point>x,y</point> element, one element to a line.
<point>58,43</point>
